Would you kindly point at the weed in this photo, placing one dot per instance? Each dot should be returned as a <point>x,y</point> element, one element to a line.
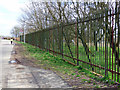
<point>95,78</point>
<point>79,67</point>
<point>97,86</point>
<point>118,86</point>
<point>73,73</point>
<point>94,83</point>
<point>77,75</point>
<point>84,80</point>
<point>89,81</point>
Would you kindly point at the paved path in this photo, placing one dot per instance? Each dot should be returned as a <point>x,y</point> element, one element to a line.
<point>5,52</point>
<point>19,76</point>
<point>0,65</point>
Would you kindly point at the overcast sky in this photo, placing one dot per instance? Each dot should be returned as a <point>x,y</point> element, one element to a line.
<point>9,13</point>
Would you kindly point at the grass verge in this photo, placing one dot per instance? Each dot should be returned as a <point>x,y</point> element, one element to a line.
<point>58,65</point>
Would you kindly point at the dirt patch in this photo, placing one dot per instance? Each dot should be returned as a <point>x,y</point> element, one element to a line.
<point>82,81</point>
<point>23,59</point>
<point>20,68</point>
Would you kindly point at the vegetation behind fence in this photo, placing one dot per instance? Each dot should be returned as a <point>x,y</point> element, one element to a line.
<point>92,42</point>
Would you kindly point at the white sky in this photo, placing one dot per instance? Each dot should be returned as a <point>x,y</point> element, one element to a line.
<point>9,13</point>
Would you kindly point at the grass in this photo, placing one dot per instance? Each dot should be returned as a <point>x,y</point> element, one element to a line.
<point>45,58</point>
<point>97,59</point>
<point>58,64</point>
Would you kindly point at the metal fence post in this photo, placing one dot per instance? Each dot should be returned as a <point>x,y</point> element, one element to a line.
<point>24,34</point>
<point>118,76</point>
<point>77,31</point>
<point>112,39</point>
<point>53,41</point>
<point>49,41</point>
<point>106,41</point>
<point>62,40</point>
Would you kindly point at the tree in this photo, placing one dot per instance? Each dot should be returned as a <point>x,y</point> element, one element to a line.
<point>15,31</point>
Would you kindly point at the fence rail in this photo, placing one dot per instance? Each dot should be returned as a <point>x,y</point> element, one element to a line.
<point>92,43</point>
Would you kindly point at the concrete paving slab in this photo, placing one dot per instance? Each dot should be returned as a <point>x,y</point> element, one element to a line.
<point>19,76</point>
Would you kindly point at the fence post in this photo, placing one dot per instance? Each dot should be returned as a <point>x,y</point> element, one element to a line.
<point>112,40</point>
<point>20,38</point>
<point>49,41</point>
<point>77,31</point>
<point>62,40</point>
<point>115,38</point>
<point>118,42</point>
<point>106,42</point>
<point>53,41</point>
<point>24,35</point>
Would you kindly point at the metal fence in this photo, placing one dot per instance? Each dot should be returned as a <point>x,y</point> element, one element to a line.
<point>92,42</point>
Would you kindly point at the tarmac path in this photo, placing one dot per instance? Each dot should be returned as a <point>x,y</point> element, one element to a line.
<point>0,65</point>
<point>19,76</point>
<point>5,52</point>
